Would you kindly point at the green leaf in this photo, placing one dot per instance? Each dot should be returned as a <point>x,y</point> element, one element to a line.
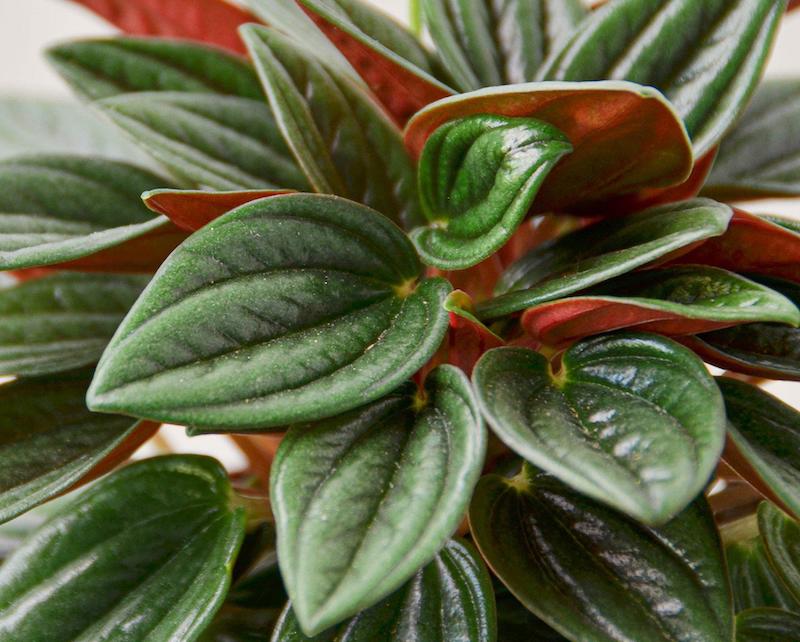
<point>14,533</point>
<point>766,625</point>
<point>602,251</point>
<point>592,574</point>
<point>760,157</point>
<point>236,624</point>
<point>673,301</point>
<point>339,135</point>
<point>49,440</point>
<point>63,321</point>
<point>631,420</point>
<point>449,600</point>
<point>782,540</point>
<point>60,208</point>
<point>323,318</point>
<point>147,551</point>
<point>102,68</point>
<point>706,57</point>
<point>362,500</point>
<point>486,43</point>
<point>478,177</point>
<point>218,142</point>
<point>753,580</point>
<point>515,623</point>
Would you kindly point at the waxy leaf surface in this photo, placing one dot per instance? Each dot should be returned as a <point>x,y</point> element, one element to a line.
<point>753,580</point>
<point>478,178</point>
<point>147,551</point>
<point>706,57</point>
<point>247,321</point>
<point>625,137</point>
<point>632,420</point>
<point>362,500</point>
<point>340,136</point>
<point>449,600</point>
<point>593,574</point>
<point>766,625</point>
<point>781,536</point>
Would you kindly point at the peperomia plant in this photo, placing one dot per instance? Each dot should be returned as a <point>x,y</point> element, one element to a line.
<point>454,303</point>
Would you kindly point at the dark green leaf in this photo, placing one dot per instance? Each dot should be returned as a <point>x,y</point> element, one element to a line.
<point>221,142</point>
<point>767,625</point>
<point>602,251</point>
<point>781,536</point>
<point>515,623</point>
<point>236,624</point>
<point>319,320</point>
<point>147,551</point>
<point>49,440</point>
<point>706,57</point>
<point>449,600</point>
<point>486,43</point>
<point>63,321</point>
<point>761,156</point>
<point>593,574</point>
<point>14,533</point>
<point>60,208</point>
<point>632,420</point>
<point>103,68</point>
<point>362,500</point>
<point>339,135</point>
<point>478,177</point>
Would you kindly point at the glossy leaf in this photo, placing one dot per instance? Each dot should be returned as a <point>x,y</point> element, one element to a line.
<point>362,500</point>
<point>625,137</point>
<point>515,623</point>
<point>574,563</point>
<point>486,43</point>
<point>103,68</point>
<point>49,440</point>
<point>63,321</point>
<point>604,250</point>
<point>61,208</point>
<point>247,321</point>
<point>147,551</point>
<point>767,625</point>
<point>706,57</point>
<point>219,142</point>
<point>449,600</point>
<point>478,179</point>
<point>211,21</point>
<point>342,139</point>
<point>754,582</point>
<point>673,301</point>
<point>15,532</point>
<point>781,536</point>
<point>389,58</point>
<point>631,420</point>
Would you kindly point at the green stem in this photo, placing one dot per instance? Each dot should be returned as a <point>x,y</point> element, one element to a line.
<point>415,17</point>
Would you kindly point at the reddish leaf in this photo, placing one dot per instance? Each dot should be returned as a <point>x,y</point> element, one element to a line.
<point>212,21</point>
<point>793,4</point>
<point>190,210</point>
<point>625,137</point>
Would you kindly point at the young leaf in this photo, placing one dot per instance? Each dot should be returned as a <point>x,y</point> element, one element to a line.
<point>754,582</point>
<point>782,540</point>
<point>449,600</point>
<point>211,21</point>
<point>323,318</point>
<point>765,436</point>
<point>761,156</point>
<point>49,440</point>
<point>673,301</point>
<point>625,137</point>
<point>706,57</point>
<point>604,250</point>
<point>60,208</point>
<point>478,177</point>
<point>147,551</point>
<point>593,574</point>
<point>107,67</point>
<point>60,322</point>
<point>644,439</point>
<point>766,625</point>
<point>362,500</point>
<point>219,142</point>
<point>341,138</point>
<point>389,58</point>
<point>486,43</point>
<point>192,209</point>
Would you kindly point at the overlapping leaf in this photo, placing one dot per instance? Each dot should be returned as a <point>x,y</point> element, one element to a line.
<point>575,563</point>
<point>632,420</point>
<point>781,536</point>
<point>766,625</point>
<point>147,551</point>
<point>706,57</point>
<point>364,499</point>
<point>449,600</point>
<point>324,317</point>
